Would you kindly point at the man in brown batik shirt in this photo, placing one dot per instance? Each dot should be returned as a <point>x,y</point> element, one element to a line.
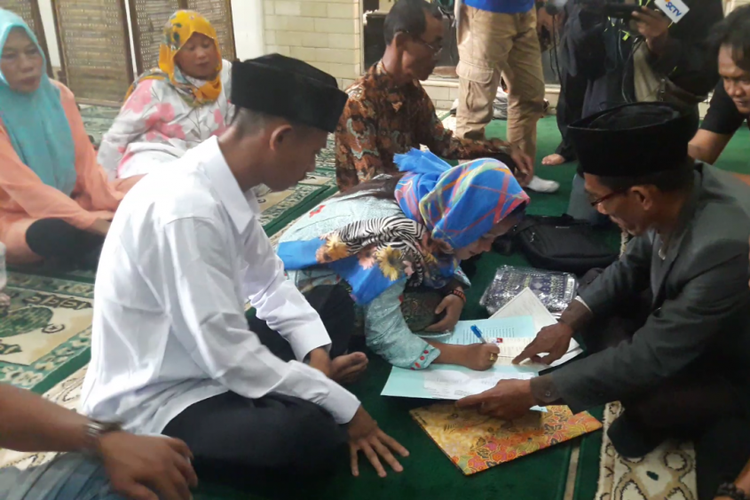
<point>389,112</point>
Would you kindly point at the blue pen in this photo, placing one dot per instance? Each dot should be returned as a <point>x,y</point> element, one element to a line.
<point>478,333</point>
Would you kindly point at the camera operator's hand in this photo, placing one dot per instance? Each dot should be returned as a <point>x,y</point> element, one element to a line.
<point>653,25</point>
<point>545,20</point>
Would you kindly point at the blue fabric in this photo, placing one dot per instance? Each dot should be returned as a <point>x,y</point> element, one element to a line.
<point>36,123</point>
<point>458,205</point>
<point>67,477</point>
<point>502,6</point>
<point>444,208</point>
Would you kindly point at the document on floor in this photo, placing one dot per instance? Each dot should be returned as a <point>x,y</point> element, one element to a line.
<point>527,303</point>
<point>511,334</point>
<point>455,382</point>
<point>512,328</point>
<point>450,381</point>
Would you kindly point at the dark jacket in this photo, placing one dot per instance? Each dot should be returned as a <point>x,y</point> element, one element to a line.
<point>701,303</point>
<point>598,47</point>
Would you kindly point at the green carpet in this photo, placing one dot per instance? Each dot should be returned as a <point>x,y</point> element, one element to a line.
<point>45,332</point>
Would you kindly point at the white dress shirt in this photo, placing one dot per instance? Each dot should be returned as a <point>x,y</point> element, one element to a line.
<point>184,253</point>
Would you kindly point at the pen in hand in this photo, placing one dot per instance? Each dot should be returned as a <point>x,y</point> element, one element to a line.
<point>478,333</point>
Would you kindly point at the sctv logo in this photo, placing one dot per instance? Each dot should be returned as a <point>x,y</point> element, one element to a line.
<point>673,8</point>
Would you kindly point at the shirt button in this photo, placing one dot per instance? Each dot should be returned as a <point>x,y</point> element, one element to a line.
<point>548,394</point>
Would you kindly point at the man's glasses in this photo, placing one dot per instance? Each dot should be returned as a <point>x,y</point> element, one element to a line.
<point>435,49</point>
<point>596,202</point>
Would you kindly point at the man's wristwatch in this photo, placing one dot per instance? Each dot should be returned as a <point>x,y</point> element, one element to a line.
<point>95,429</point>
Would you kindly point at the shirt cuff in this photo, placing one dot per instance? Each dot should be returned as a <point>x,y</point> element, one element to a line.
<point>579,299</point>
<point>313,336</point>
<point>340,403</point>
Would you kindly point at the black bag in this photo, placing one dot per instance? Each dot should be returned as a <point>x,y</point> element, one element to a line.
<point>562,244</point>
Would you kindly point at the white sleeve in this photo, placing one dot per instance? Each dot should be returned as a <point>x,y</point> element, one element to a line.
<point>210,323</point>
<point>276,299</point>
<point>579,299</point>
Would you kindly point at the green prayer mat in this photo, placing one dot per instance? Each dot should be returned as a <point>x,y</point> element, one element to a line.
<point>45,333</point>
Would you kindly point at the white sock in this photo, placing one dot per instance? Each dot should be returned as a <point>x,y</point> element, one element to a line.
<point>543,186</point>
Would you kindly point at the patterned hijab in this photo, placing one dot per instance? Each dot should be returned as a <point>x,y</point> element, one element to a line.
<point>178,30</point>
<point>444,209</point>
<point>36,122</point>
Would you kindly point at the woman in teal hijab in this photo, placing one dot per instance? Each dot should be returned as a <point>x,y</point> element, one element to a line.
<point>55,201</point>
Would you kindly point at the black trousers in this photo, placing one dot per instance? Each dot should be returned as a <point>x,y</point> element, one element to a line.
<point>240,440</point>
<point>56,239</point>
<point>569,109</point>
<point>700,404</point>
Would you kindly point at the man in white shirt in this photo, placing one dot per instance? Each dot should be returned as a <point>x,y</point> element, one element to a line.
<point>171,349</point>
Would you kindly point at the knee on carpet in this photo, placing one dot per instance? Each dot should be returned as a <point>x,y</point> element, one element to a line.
<point>310,431</point>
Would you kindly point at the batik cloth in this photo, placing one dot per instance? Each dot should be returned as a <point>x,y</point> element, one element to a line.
<point>418,246</point>
<point>475,442</point>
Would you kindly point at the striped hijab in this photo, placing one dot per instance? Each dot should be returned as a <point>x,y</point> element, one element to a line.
<point>444,209</point>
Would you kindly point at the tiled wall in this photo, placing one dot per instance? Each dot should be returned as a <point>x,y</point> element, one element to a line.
<point>442,93</point>
<point>324,33</point>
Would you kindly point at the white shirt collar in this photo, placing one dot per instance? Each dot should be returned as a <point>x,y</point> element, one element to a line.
<point>242,207</point>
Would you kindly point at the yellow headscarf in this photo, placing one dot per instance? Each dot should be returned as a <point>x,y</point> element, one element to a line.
<point>178,30</point>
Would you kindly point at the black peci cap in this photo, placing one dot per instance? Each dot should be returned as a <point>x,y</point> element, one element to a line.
<point>288,88</point>
<point>633,140</point>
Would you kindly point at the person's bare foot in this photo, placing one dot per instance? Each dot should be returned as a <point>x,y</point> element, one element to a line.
<point>554,159</point>
<point>480,357</point>
<point>348,368</point>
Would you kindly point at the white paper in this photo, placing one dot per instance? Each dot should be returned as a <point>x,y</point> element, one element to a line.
<point>454,385</point>
<point>494,329</point>
<point>527,303</point>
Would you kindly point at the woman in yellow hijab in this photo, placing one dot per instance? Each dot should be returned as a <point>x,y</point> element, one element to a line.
<point>174,107</point>
<point>189,52</point>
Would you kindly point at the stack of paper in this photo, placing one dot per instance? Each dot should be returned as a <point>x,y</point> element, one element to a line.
<point>527,303</point>
<point>512,328</point>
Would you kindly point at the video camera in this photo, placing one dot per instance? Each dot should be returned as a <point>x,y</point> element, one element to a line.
<point>623,9</point>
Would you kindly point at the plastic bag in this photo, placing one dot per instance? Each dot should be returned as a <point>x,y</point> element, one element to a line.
<point>555,289</point>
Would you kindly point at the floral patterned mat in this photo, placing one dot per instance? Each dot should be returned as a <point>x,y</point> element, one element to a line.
<point>668,472</point>
<point>475,443</point>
